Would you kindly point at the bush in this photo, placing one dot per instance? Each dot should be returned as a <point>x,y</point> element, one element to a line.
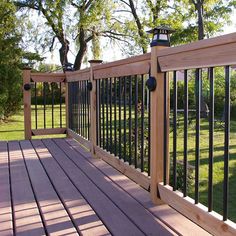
<point>10,90</point>
<point>10,59</point>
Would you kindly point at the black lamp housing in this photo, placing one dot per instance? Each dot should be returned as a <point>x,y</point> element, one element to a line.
<point>151,83</point>
<point>161,36</point>
<point>68,67</point>
<point>27,87</point>
<point>89,86</point>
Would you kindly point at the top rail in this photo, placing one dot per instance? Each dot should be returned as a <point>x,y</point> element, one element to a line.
<point>79,75</point>
<point>219,51</point>
<point>47,77</point>
<point>136,65</point>
<point>131,66</point>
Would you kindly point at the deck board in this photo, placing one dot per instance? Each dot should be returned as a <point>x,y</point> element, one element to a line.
<point>86,220</point>
<point>26,214</point>
<point>167,215</point>
<point>6,227</point>
<point>116,221</point>
<point>55,187</point>
<point>55,216</point>
<point>142,218</point>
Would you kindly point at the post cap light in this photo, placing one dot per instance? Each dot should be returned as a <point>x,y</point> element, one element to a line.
<point>68,67</point>
<point>27,64</point>
<point>161,36</point>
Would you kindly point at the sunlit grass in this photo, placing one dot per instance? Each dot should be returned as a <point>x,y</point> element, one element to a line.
<point>218,166</point>
<point>13,129</point>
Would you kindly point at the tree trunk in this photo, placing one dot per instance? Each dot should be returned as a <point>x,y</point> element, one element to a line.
<point>201,34</point>
<point>138,23</point>
<point>63,51</point>
<point>82,50</point>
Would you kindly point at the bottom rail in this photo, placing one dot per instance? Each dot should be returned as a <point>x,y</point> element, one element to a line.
<point>48,131</point>
<point>198,213</point>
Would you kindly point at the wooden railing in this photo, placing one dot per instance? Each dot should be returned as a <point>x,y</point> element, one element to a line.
<point>44,103</point>
<point>209,55</point>
<point>111,113</point>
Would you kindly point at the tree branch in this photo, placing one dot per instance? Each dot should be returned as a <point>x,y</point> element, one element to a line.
<point>116,38</point>
<point>127,11</point>
<point>25,4</point>
<point>125,3</point>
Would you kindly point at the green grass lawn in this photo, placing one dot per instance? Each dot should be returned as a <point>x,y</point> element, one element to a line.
<point>13,129</point>
<point>218,166</point>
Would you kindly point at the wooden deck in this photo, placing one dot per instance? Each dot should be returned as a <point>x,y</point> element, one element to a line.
<point>54,187</point>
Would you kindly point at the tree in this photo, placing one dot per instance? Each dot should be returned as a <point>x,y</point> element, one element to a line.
<point>81,21</point>
<point>209,16</point>
<point>146,14</point>
<point>192,19</point>
<point>10,59</point>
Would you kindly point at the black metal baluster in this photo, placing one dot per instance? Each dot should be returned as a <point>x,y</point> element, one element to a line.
<point>97,113</point>
<point>120,147</point>
<point>36,105</point>
<point>52,105</point>
<point>84,103</point>
<point>115,118</point>
<point>175,105</point>
<point>185,132</point>
<point>73,106</point>
<point>130,120</point>
<point>226,144</point>
<point>78,107</point>
<point>111,144</point>
<point>44,104</point>
<point>107,117</point>
<point>198,80</point>
<point>69,103</point>
<point>165,131</point>
<point>125,88</point>
<point>142,123</point>
<point>84,97</point>
<point>86,109</point>
<point>211,141</point>
<point>82,108</point>
<point>149,131</point>
<point>136,124</point>
<point>88,112</point>
<point>103,114</point>
<point>60,105</point>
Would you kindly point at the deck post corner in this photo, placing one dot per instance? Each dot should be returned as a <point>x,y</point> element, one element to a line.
<point>158,98</point>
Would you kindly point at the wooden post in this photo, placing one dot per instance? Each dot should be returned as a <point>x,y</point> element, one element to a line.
<point>157,127</point>
<point>27,102</point>
<point>93,105</point>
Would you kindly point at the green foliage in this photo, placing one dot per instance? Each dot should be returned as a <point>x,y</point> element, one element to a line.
<point>219,91</point>
<point>80,22</point>
<point>180,176</point>
<point>181,15</point>
<point>10,59</point>
<point>215,15</point>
